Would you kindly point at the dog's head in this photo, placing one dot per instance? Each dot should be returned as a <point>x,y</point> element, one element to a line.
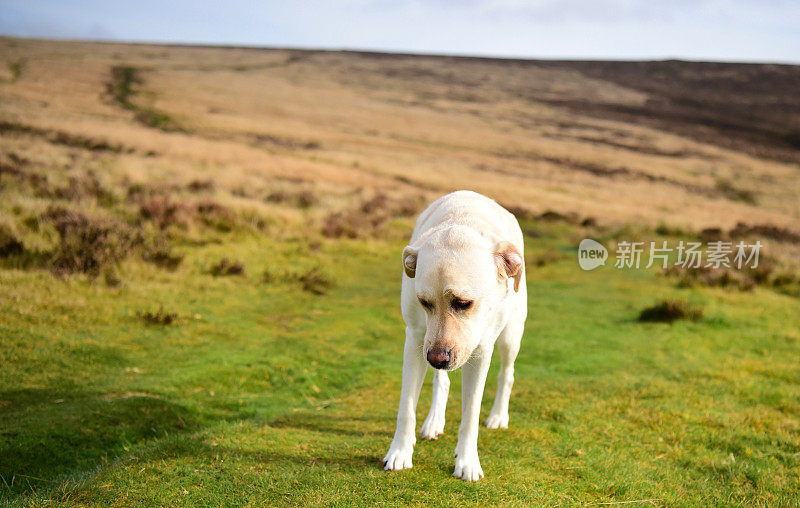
<point>460,280</point>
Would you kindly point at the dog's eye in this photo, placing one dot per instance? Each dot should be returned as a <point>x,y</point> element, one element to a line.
<point>426,304</point>
<point>461,305</point>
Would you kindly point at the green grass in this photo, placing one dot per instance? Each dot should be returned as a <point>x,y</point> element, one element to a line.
<point>267,394</point>
<point>16,67</point>
<point>122,87</point>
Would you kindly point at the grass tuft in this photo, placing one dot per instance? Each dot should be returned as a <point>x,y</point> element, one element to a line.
<point>727,189</point>
<point>201,185</point>
<point>769,274</point>
<point>157,250</point>
<point>304,198</point>
<point>345,225</point>
<point>316,281</point>
<point>226,267</point>
<point>111,277</point>
<point>16,67</point>
<point>216,215</point>
<point>760,231</point>
<point>313,280</point>
<point>544,258</point>
<point>164,212</point>
<point>284,142</point>
<point>160,317</point>
<point>89,185</point>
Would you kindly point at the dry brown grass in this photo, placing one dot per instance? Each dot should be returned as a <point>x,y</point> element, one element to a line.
<point>370,216</point>
<point>295,136</point>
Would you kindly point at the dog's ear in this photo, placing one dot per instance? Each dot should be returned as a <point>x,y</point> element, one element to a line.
<point>410,261</point>
<point>509,262</point>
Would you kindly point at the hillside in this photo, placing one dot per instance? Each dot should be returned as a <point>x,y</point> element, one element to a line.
<point>687,144</point>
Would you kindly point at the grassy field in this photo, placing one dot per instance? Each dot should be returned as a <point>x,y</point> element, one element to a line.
<point>199,278</point>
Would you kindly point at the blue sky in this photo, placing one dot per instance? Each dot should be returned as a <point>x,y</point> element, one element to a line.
<point>738,30</point>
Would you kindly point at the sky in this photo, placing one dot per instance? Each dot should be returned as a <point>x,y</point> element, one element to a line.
<point>729,30</point>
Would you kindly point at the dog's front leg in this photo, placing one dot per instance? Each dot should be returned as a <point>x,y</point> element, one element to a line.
<point>399,455</point>
<point>433,426</point>
<point>473,379</point>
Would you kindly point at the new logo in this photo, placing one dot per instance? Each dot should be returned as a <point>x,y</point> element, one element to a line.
<point>591,254</point>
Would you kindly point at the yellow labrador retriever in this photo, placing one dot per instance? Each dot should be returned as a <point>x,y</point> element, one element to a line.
<point>463,290</point>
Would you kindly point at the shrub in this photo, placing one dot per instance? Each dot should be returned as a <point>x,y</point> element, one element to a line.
<point>227,267</point>
<point>378,203</point>
<point>78,141</point>
<point>544,258</point>
<point>345,225</point>
<point>164,213</point>
<point>159,252</point>
<point>667,230</point>
<point>712,234</point>
<point>369,217</point>
<point>111,277</point>
<point>301,199</point>
<point>87,244</point>
<point>284,142</point>
<point>553,216</point>
<point>141,192</point>
<point>765,231</point>
<point>268,277</point>
<point>88,186</point>
<point>667,311</point>
<point>727,189</point>
<point>520,212</point>
<point>16,68</point>
<point>315,281</point>
<point>710,277</point>
<point>159,317</point>
<point>216,215</point>
<point>201,185</point>
<point>743,280</point>
<point>10,243</point>
<point>164,259</point>
<point>307,199</point>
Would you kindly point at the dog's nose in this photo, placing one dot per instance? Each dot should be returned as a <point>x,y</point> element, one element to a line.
<point>439,357</point>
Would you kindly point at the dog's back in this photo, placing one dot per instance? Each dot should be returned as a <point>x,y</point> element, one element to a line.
<point>467,208</point>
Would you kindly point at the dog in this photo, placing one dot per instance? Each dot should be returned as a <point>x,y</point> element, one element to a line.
<point>463,291</point>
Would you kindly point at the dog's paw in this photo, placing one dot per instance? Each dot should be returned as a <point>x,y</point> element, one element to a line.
<point>468,467</point>
<point>497,421</point>
<point>398,457</point>
<point>433,427</point>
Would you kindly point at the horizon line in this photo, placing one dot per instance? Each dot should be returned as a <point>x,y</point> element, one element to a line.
<point>393,51</point>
